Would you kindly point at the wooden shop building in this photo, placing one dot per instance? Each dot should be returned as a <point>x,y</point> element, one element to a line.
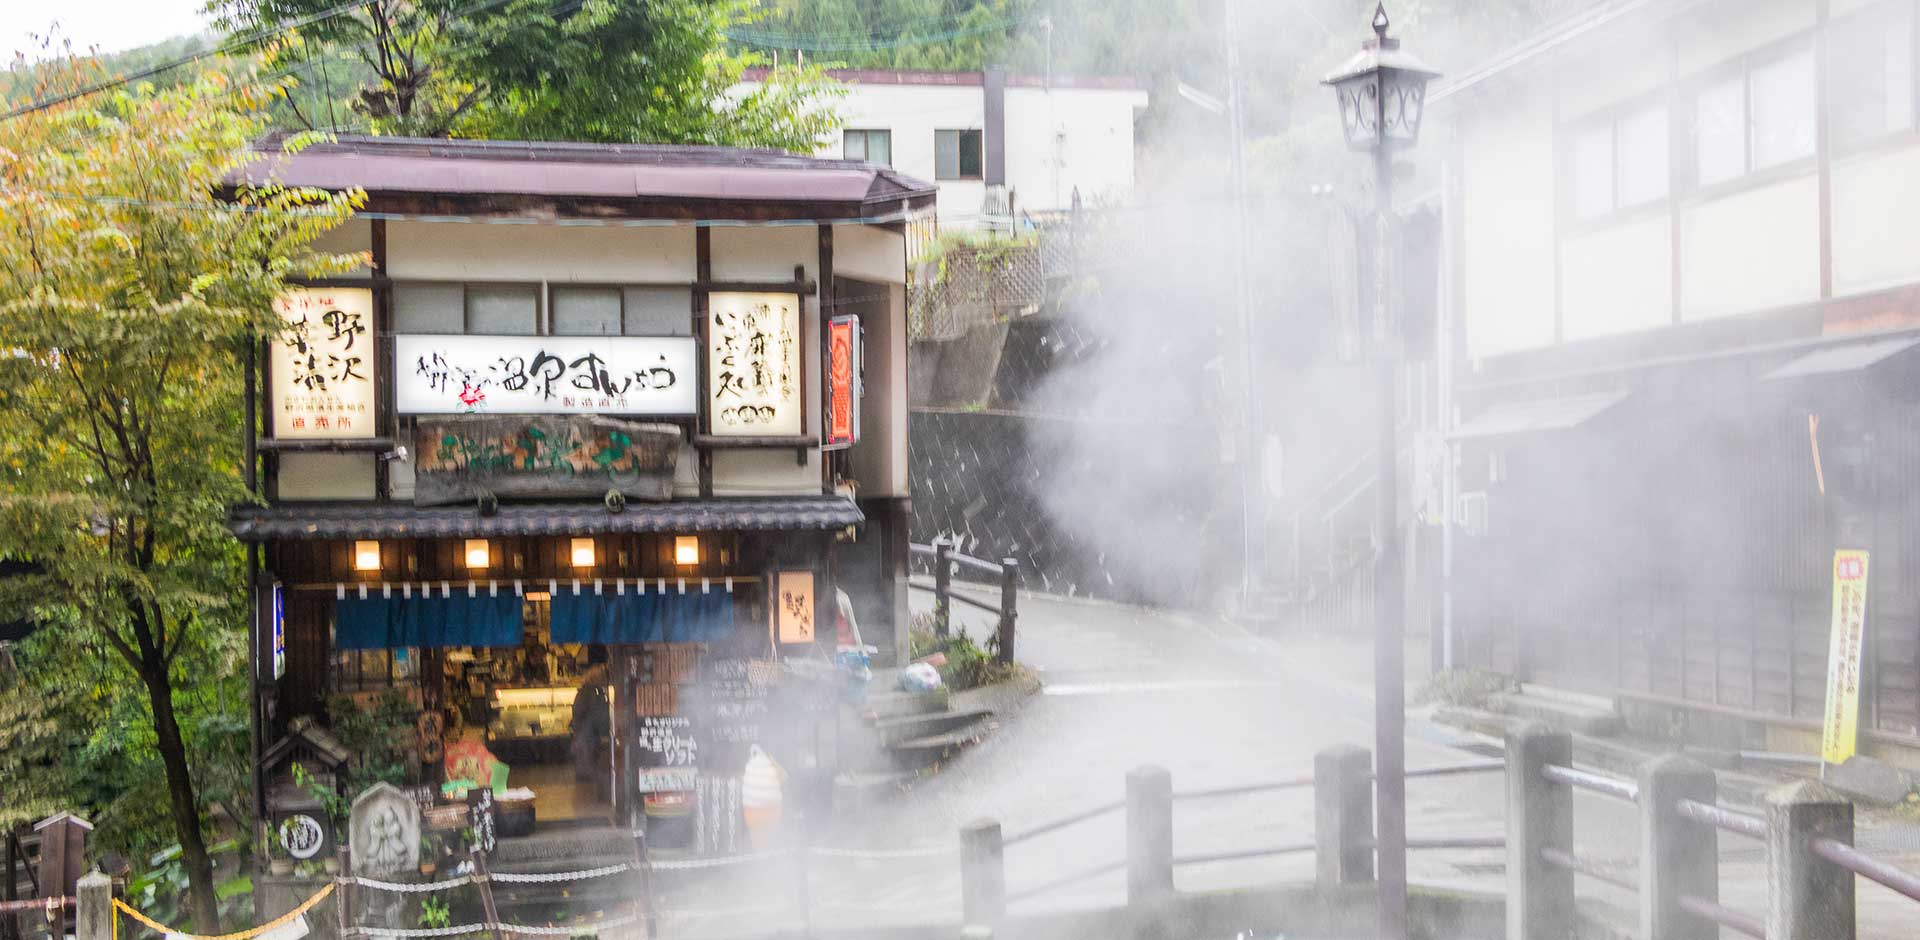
<point>619,422</point>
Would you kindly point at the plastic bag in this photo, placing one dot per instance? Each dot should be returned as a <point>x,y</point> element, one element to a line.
<point>920,677</point>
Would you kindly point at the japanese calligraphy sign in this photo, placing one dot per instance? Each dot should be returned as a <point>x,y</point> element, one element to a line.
<point>631,375</point>
<point>793,606</point>
<point>754,385</point>
<point>323,365</point>
<point>666,742</point>
<point>843,382</point>
<point>1841,731</point>
<point>458,458</point>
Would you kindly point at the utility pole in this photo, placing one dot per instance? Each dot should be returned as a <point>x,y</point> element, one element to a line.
<point>1250,411</point>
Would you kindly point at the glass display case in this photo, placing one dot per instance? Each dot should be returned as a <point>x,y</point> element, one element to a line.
<point>531,724</point>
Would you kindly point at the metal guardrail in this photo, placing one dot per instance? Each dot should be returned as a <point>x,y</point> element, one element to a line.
<point>1625,790</point>
<point>1680,865</point>
<point>1898,880</point>
<point>1064,822</point>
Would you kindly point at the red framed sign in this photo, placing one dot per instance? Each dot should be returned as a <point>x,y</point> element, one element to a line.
<point>844,364</point>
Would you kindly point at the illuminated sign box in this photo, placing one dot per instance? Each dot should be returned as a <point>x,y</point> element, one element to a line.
<point>323,365</point>
<point>622,375</point>
<point>754,381</point>
<point>844,367</point>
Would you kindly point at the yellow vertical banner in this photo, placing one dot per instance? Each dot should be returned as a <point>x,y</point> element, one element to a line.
<point>1842,725</point>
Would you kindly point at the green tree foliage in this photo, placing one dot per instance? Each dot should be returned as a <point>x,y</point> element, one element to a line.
<point>129,293</point>
<point>605,70</point>
<point>629,71</point>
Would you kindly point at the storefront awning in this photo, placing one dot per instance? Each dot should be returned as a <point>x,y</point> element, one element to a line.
<point>1546,414</point>
<point>404,520</point>
<point>1839,360</point>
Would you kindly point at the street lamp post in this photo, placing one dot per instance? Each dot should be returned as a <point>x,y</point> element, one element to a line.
<point>1382,94</point>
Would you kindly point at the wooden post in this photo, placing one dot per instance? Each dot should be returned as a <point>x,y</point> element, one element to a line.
<point>942,585</point>
<point>983,874</point>
<point>343,895</point>
<point>9,891</point>
<point>644,868</point>
<point>485,883</point>
<point>1009,597</point>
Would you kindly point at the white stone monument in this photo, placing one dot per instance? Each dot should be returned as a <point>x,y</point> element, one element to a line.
<point>384,831</point>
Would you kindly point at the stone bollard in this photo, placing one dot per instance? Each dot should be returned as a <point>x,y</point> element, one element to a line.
<point>1149,835</point>
<point>1539,816</point>
<point>1677,855</point>
<point>1343,815</point>
<point>983,874</point>
<point>1808,898</point>
<point>1009,615</point>
<point>93,907</point>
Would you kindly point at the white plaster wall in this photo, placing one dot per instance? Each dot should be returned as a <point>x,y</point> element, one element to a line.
<point>1507,225</point>
<point>1086,132</point>
<point>1751,251</point>
<point>1718,32</point>
<point>1610,76</point>
<point>1064,138</point>
<point>764,252</point>
<point>870,252</point>
<point>352,235</point>
<point>1876,220</point>
<point>879,461</point>
<point>475,251</point>
<point>1617,279</point>
<point>326,476</point>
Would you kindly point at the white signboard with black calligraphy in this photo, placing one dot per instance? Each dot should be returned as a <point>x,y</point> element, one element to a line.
<point>754,365</point>
<point>323,364</point>
<point>620,375</point>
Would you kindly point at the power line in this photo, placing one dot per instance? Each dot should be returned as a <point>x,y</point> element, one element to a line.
<point>220,48</point>
<point>866,44</point>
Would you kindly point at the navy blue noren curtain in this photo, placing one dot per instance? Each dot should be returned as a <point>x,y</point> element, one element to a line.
<point>395,622</point>
<point>607,617</point>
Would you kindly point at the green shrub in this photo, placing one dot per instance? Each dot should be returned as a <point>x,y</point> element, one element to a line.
<point>1464,687</point>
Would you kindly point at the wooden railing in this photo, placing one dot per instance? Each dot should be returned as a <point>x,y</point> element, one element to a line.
<point>944,562</point>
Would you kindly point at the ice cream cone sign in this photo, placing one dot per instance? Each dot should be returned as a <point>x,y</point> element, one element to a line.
<point>760,797</point>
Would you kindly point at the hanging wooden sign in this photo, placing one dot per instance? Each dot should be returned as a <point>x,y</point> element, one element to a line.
<point>459,458</point>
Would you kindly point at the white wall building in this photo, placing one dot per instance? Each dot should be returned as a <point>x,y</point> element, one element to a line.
<point>1045,140</point>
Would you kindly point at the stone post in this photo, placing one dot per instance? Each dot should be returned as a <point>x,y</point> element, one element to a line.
<point>93,907</point>
<point>1539,816</point>
<point>983,874</point>
<point>1807,897</point>
<point>1149,835</point>
<point>1677,855</point>
<point>1343,815</point>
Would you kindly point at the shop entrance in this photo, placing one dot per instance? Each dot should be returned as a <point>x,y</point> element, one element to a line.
<point>541,712</point>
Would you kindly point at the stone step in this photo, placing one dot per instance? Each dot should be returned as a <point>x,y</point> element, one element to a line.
<point>894,703</point>
<point>922,751</point>
<point>1557,713</point>
<point>906,727</point>
<point>855,790</point>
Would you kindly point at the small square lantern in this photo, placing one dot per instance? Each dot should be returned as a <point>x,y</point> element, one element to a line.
<point>1382,91</point>
<point>366,555</point>
<point>582,551</point>
<point>478,553</point>
<point>686,550</point>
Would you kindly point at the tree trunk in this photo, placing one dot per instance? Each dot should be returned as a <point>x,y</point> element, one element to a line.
<point>185,805</point>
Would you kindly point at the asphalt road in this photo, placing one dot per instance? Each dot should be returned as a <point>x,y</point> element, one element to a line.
<point>1217,708</point>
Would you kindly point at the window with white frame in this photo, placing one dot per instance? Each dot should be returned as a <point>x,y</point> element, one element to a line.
<point>1619,161</point>
<point>1760,115</point>
<point>957,155</point>
<point>872,146</point>
<point>1870,78</point>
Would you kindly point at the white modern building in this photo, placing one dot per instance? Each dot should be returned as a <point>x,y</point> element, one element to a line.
<point>1045,140</point>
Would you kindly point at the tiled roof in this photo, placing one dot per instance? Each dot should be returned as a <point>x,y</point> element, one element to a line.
<point>402,520</point>
<point>561,170</point>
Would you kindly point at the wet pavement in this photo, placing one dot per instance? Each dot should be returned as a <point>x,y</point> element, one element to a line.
<point>1218,708</point>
